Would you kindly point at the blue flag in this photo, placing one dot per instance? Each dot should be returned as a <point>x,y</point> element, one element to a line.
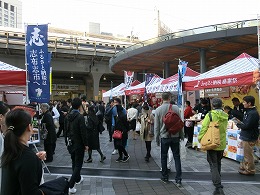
<point>181,72</point>
<point>38,63</point>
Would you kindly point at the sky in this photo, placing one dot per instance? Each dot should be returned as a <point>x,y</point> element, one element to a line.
<point>137,16</point>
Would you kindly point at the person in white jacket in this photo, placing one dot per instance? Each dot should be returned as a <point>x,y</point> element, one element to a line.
<point>132,114</point>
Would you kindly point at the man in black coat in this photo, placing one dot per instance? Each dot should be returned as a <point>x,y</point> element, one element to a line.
<point>249,135</point>
<point>238,110</point>
<point>76,141</point>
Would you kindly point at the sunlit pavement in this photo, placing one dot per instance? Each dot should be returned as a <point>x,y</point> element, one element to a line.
<point>139,177</point>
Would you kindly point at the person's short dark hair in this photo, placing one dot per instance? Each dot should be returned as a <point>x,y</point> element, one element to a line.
<point>166,96</point>
<point>204,101</point>
<point>227,108</point>
<point>118,100</point>
<point>188,103</point>
<point>4,108</point>
<point>135,105</point>
<point>76,103</point>
<point>235,99</point>
<point>250,99</point>
<point>69,100</point>
<point>216,103</point>
<point>84,98</point>
<point>145,106</point>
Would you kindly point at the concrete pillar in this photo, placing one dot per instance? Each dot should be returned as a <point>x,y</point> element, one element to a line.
<point>89,87</point>
<point>96,78</point>
<point>166,70</point>
<point>203,67</point>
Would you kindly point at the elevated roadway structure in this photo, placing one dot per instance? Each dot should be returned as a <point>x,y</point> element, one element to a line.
<point>79,55</point>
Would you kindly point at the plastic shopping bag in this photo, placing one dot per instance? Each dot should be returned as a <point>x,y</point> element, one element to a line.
<point>183,151</point>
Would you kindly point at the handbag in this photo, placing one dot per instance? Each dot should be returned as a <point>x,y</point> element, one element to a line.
<point>58,186</point>
<point>211,139</point>
<point>188,123</point>
<point>43,131</point>
<point>117,134</point>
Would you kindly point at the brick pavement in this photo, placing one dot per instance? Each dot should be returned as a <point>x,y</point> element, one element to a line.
<point>195,162</point>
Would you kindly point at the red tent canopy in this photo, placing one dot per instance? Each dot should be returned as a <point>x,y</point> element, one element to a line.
<point>12,78</point>
<point>243,70</point>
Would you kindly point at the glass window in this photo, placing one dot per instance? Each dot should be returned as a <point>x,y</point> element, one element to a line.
<point>12,8</point>
<point>6,24</point>
<point>6,5</point>
<point>0,3</point>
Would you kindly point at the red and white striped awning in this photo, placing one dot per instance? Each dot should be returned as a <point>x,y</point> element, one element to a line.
<point>243,70</point>
<point>140,89</point>
<point>170,84</point>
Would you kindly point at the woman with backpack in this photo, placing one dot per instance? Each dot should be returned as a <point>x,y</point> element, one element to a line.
<point>94,128</point>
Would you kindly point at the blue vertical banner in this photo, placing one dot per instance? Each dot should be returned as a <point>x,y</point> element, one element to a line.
<point>38,63</point>
<point>181,73</point>
<point>148,78</point>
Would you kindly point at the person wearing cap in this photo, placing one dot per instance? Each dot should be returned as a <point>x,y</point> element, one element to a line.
<point>214,156</point>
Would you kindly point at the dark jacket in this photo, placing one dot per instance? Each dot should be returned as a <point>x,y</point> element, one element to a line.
<point>93,125</point>
<point>48,120</point>
<point>249,127</point>
<point>76,130</point>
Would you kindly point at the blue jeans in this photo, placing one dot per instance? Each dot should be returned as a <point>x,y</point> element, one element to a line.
<point>77,158</point>
<point>214,159</point>
<point>174,143</point>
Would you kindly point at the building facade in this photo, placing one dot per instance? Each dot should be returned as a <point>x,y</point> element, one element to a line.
<point>11,13</point>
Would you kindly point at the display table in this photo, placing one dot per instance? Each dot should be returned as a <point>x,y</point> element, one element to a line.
<point>233,149</point>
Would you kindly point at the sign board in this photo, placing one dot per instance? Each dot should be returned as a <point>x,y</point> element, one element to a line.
<point>217,92</point>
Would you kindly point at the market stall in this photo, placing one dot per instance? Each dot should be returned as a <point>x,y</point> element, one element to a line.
<point>241,71</point>
<point>12,84</point>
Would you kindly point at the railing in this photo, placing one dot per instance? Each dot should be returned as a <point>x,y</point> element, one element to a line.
<point>184,33</point>
<point>67,42</point>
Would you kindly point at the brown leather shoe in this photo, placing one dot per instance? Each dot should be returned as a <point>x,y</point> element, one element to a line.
<point>242,168</point>
<point>245,173</point>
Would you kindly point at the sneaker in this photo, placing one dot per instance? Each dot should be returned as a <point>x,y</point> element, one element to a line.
<point>218,191</point>
<point>178,184</point>
<point>103,158</point>
<point>119,159</point>
<point>126,158</point>
<point>80,181</point>
<point>146,159</point>
<point>72,190</point>
<point>165,180</point>
<point>89,160</point>
<point>114,152</point>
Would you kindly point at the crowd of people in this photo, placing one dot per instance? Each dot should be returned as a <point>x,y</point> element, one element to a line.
<point>80,122</point>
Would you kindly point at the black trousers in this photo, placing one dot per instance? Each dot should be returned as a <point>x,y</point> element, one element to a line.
<point>77,157</point>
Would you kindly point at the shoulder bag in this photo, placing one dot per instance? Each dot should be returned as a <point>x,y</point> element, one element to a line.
<point>211,139</point>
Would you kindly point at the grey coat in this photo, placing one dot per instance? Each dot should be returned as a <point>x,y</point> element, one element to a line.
<point>159,126</point>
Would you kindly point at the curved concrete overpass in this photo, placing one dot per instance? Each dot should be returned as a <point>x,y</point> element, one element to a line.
<point>214,45</point>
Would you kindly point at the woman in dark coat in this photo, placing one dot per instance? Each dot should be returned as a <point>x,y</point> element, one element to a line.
<point>94,127</point>
<point>50,141</point>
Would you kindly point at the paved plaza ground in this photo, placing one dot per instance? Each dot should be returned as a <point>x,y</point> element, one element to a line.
<point>139,177</point>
